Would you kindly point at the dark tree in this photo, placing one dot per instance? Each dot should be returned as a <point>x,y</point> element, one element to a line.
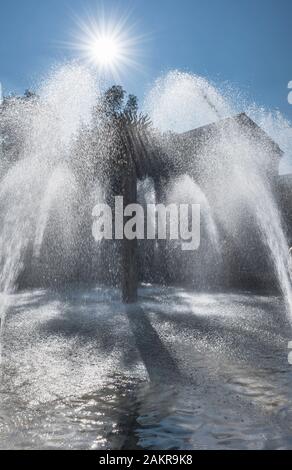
<point>114,150</point>
<point>131,107</point>
<point>126,167</point>
<point>29,94</point>
<point>113,101</point>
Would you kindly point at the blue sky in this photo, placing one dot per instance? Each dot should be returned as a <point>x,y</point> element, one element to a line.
<point>245,42</point>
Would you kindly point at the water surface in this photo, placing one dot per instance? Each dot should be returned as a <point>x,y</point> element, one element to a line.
<point>178,370</point>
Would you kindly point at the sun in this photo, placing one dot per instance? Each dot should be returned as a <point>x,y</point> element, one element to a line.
<point>105,51</point>
<point>108,42</point>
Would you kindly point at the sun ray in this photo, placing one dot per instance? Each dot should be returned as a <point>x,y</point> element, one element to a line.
<point>108,42</point>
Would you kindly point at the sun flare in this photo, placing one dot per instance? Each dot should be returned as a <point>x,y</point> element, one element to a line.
<point>108,43</point>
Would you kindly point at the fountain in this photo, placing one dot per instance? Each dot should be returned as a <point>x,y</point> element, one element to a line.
<point>228,153</point>
<point>63,324</point>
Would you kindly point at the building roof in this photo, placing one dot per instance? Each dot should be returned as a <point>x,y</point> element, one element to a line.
<point>246,124</point>
<point>176,154</point>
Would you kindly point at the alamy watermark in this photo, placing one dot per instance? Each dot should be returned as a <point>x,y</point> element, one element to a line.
<point>290,352</point>
<point>158,222</point>
<point>290,92</point>
<point>290,342</point>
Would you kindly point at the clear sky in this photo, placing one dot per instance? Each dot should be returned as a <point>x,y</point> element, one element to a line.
<point>245,42</point>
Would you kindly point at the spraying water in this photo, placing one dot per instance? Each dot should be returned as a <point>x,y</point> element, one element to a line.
<point>181,101</point>
<point>231,164</point>
<point>44,196</point>
<point>42,134</point>
<point>185,191</point>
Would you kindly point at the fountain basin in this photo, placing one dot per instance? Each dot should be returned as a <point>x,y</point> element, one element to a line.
<point>178,370</point>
